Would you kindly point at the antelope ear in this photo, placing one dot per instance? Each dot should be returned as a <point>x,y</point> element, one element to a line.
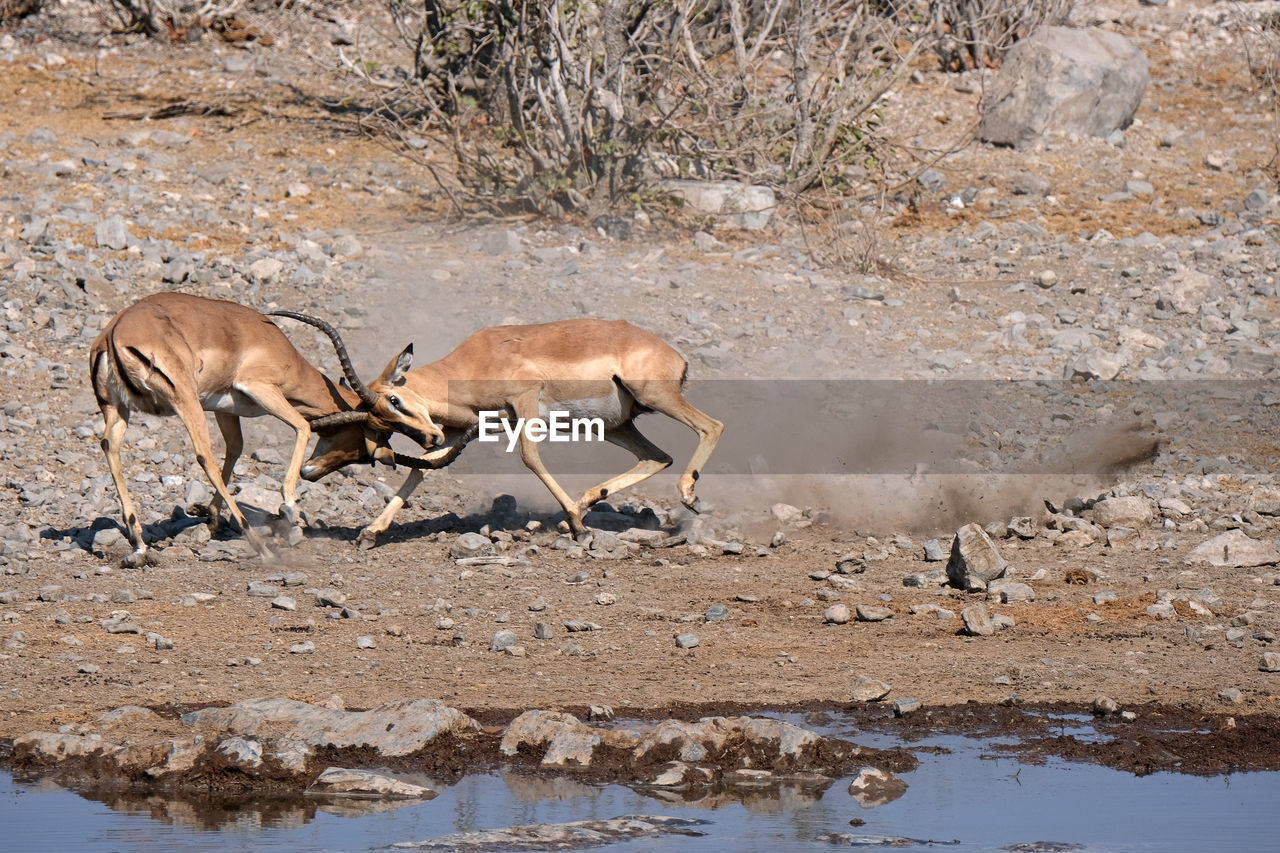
<point>393,373</point>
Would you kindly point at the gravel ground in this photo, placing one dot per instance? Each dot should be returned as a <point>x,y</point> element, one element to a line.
<point>1150,261</point>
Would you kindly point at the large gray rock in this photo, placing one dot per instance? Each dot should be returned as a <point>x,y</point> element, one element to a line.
<point>974,559</point>
<point>1127,512</point>
<point>1083,81</point>
<point>1235,549</point>
<point>743,206</point>
<point>395,728</point>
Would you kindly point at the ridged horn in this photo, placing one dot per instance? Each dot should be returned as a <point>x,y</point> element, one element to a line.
<point>338,419</point>
<point>362,391</point>
<point>440,457</point>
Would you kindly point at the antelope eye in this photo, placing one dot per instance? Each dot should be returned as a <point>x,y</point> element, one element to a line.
<point>395,402</point>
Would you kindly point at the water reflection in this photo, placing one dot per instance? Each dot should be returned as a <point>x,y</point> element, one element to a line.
<point>956,793</point>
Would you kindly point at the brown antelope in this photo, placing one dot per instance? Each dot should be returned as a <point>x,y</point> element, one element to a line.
<point>173,353</point>
<point>610,370</point>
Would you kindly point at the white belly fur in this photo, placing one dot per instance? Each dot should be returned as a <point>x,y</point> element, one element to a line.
<point>232,402</point>
<point>611,408</point>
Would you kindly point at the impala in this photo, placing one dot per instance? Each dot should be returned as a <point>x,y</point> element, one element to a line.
<point>173,353</point>
<point>595,369</point>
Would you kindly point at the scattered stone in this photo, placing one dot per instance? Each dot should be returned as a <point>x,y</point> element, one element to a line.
<point>502,640</point>
<point>1105,706</point>
<point>717,613</point>
<point>1085,81</point>
<point>1270,662</point>
<point>1011,592</point>
<point>867,689</point>
<point>873,613</point>
<point>904,706</point>
<point>686,641</point>
<point>974,559</point>
<point>1122,512</point>
<point>836,614</point>
<point>743,206</point>
<point>977,622</point>
<point>471,545</point>
<point>1236,549</point>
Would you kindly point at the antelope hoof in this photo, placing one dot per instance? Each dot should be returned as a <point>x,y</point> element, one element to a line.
<point>137,559</point>
<point>366,539</point>
<point>292,516</point>
<point>693,503</point>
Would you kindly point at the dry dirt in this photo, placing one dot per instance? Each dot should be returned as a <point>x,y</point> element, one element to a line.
<point>774,650</point>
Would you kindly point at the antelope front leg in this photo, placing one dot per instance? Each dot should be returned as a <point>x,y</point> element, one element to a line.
<point>369,536</point>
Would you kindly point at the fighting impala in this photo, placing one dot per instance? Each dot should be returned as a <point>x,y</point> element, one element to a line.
<point>174,353</point>
<point>596,369</point>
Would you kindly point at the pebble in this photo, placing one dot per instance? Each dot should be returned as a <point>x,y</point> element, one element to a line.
<point>717,613</point>
<point>867,689</point>
<point>836,614</point>
<point>873,613</point>
<point>977,622</point>
<point>686,641</point>
<point>502,640</point>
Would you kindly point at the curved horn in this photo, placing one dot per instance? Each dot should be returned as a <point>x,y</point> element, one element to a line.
<point>442,456</point>
<point>338,419</point>
<point>366,396</point>
<point>423,462</point>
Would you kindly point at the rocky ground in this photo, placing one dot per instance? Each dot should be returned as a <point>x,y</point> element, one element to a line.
<point>234,171</point>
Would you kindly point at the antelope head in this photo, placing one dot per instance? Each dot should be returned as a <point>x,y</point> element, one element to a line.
<point>363,435</point>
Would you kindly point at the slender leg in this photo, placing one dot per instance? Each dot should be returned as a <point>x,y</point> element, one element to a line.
<point>270,398</point>
<point>229,426</point>
<point>526,406</point>
<point>709,431</point>
<point>666,396</point>
<point>188,407</point>
<point>439,457</point>
<point>652,460</point>
<point>369,536</point>
<point>116,421</point>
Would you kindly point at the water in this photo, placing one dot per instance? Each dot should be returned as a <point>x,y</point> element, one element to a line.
<point>961,791</point>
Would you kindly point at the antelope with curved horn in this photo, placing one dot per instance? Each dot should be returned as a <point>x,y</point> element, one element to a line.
<point>594,368</point>
<point>174,353</point>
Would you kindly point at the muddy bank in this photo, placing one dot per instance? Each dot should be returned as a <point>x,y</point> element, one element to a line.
<point>690,754</point>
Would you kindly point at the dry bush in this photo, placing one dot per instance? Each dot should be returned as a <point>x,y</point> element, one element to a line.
<point>1259,29</point>
<point>977,33</point>
<point>174,19</point>
<point>584,101</point>
<point>13,9</point>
